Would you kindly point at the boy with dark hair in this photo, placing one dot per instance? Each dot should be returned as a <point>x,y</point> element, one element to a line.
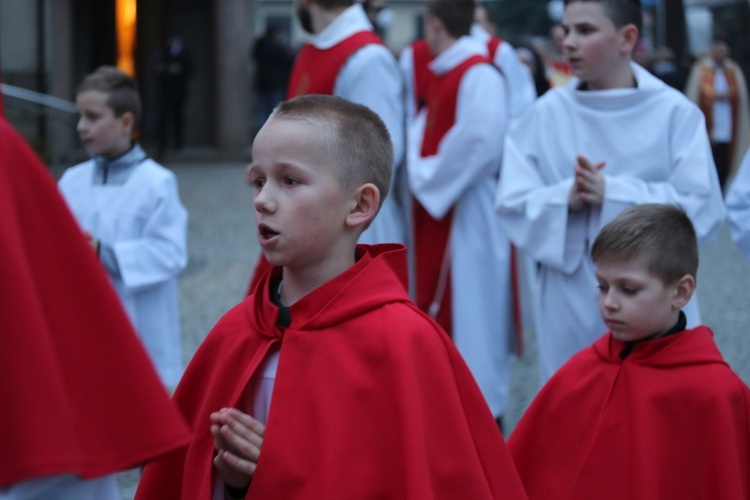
<point>651,410</point>
<point>130,211</point>
<point>613,137</point>
<point>327,382</point>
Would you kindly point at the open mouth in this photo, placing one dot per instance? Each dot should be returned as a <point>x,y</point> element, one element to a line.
<point>266,232</point>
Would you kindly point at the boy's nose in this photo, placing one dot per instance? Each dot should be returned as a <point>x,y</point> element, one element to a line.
<point>262,201</point>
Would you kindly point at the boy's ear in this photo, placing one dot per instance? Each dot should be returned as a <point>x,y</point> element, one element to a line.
<point>629,38</point>
<point>682,291</point>
<point>128,120</point>
<point>366,203</point>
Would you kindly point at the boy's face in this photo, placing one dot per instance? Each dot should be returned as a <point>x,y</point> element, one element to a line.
<point>634,303</point>
<point>300,204</point>
<point>595,49</point>
<point>101,132</point>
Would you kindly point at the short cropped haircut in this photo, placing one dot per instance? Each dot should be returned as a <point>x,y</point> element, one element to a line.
<point>356,138</point>
<point>620,12</point>
<point>122,90</point>
<point>663,234</point>
<point>457,15</point>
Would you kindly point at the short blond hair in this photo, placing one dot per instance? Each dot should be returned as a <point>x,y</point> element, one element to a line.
<point>356,138</point>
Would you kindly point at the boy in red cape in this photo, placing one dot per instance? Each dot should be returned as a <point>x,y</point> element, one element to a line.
<point>79,397</point>
<point>651,410</point>
<point>370,397</point>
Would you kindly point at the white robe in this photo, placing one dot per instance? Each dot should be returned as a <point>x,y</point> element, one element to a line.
<point>463,174</point>
<point>371,77</point>
<point>656,150</point>
<point>145,224</point>
<point>738,206</point>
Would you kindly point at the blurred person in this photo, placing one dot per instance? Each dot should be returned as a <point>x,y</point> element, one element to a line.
<point>613,137</point>
<point>665,68</point>
<point>717,85</point>
<point>173,68</point>
<point>273,63</point>
<point>531,58</point>
<point>559,71</point>
<point>80,398</point>
<point>462,257</point>
<point>129,209</point>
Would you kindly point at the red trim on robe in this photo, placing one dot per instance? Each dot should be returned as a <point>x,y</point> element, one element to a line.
<point>315,70</point>
<point>431,235</point>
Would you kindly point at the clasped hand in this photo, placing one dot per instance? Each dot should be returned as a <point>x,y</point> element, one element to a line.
<point>238,438</point>
<point>588,184</point>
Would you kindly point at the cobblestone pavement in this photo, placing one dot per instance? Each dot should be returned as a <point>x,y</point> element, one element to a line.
<point>223,251</point>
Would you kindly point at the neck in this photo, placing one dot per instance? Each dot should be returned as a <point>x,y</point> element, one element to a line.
<point>442,43</point>
<point>322,18</point>
<point>621,78</point>
<point>299,282</point>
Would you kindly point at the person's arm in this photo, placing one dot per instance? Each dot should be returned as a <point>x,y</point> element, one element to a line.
<point>738,207</point>
<point>535,188</point>
<point>406,63</point>
<point>692,182</point>
<point>470,150</point>
<point>160,253</point>
<point>238,438</point>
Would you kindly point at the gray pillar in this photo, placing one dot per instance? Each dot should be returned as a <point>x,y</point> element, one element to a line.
<point>233,36</point>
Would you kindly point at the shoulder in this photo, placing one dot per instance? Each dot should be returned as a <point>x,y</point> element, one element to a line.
<point>77,171</point>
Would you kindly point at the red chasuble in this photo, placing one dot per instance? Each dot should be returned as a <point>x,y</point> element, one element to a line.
<point>315,70</point>
<point>431,235</point>
<point>78,394</point>
<point>422,57</point>
<point>671,420</point>
<point>371,398</point>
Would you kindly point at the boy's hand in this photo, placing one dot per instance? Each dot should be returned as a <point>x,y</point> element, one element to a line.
<point>588,186</point>
<point>238,438</point>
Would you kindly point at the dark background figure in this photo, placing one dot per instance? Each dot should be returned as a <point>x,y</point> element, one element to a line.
<point>173,68</point>
<point>535,63</point>
<point>665,68</point>
<point>273,63</point>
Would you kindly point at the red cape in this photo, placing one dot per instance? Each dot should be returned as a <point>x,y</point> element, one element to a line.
<point>77,391</point>
<point>371,399</point>
<point>670,421</point>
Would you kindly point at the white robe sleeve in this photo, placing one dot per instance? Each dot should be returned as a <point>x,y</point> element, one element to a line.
<point>738,207</point>
<point>372,77</point>
<point>406,63</point>
<point>161,251</point>
<point>520,82</point>
<point>692,183</point>
<point>469,150</point>
<point>533,210</point>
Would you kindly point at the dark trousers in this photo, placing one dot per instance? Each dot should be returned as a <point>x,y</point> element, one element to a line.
<point>722,158</point>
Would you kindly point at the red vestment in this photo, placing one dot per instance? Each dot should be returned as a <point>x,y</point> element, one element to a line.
<point>371,398</point>
<point>78,394</point>
<point>671,420</point>
<point>433,289</point>
<point>315,70</point>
